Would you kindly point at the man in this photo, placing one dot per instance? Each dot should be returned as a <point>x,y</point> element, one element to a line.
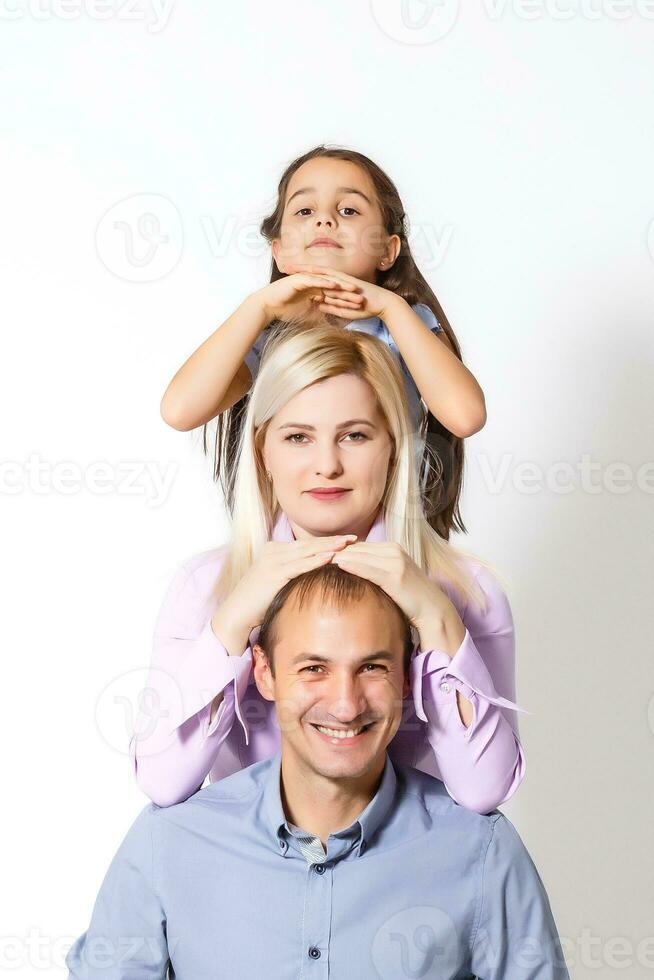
<point>326,860</point>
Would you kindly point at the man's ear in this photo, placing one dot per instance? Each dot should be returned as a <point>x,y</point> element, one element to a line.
<point>262,675</point>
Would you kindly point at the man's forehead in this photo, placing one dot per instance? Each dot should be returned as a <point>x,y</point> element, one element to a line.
<point>366,619</point>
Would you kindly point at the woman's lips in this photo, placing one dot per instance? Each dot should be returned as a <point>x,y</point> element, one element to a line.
<point>327,494</point>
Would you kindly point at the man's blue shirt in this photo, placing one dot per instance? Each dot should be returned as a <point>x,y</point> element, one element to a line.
<point>416,887</point>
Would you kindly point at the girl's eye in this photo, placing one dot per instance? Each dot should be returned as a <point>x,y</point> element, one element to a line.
<point>293,438</point>
<point>346,208</point>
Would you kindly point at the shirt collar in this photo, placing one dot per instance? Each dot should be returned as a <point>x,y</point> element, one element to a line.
<point>282,530</point>
<point>365,825</point>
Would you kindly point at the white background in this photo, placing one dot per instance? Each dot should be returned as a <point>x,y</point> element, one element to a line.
<point>520,137</point>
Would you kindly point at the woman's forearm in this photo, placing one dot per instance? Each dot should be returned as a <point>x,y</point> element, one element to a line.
<point>198,392</point>
<point>445,631</point>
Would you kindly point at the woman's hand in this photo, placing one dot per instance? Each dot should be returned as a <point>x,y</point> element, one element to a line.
<point>300,292</point>
<point>278,563</point>
<point>387,564</point>
<point>373,299</point>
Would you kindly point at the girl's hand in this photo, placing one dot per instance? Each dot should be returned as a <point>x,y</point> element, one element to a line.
<point>387,564</point>
<point>375,299</point>
<point>278,563</point>
<point>299,293</point>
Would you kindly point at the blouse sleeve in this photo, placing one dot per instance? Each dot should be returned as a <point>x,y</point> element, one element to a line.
<point>173,746</point>
<point>428,317</point>
<point>254,355</point>
<point>482,764</point>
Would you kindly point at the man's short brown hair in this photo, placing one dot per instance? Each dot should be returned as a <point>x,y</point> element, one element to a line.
<point>337,588</point>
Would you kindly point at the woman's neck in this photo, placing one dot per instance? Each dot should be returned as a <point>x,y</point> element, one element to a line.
<point>361,529</point>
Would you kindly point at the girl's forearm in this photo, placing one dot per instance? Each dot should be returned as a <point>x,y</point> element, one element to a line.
<point>198,391</point>
<point>449,389</point>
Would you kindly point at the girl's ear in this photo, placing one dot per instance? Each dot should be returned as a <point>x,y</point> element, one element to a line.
<point>262,675</point>
<point>275,245</point>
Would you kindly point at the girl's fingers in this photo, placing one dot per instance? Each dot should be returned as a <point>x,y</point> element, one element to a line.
<point>345,281</point>
<point>351,304</point>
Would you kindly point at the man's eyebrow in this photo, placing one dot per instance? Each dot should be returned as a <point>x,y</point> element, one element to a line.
<point>319,658</point>
<point>312,428</point>
<point>340,190</point>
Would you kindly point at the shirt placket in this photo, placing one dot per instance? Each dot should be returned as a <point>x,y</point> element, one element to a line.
<point>316,922</point>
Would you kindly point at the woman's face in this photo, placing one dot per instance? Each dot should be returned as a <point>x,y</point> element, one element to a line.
<point>330,436</point>
<point>335,200</point>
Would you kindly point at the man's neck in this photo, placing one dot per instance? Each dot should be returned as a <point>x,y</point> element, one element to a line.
<point>321,805</point>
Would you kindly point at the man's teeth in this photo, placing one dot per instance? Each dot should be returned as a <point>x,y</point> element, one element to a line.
<point>335,733</point>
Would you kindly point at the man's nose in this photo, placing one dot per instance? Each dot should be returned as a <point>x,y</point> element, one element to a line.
<point>346,701</point>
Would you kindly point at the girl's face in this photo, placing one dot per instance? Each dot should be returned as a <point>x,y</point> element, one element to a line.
<point>334,200</point>
<point>331,435</point>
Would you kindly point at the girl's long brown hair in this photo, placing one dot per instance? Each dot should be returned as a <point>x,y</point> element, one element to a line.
<point>441,472</point>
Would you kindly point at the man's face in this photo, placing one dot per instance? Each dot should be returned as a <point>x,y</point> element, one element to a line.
<point>340,670</point>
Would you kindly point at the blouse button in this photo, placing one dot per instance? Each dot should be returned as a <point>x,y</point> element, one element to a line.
<point>314,953</point>
<point>319,869</point>
<point>445,687</point>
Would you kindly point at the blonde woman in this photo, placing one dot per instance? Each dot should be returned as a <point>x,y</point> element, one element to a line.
<point>326,471</point>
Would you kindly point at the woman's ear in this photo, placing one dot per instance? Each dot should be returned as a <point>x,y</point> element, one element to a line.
<point>262,674</point>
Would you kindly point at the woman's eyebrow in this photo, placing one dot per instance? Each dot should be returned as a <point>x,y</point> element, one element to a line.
<point>312,428</point>
<point>340,190</point>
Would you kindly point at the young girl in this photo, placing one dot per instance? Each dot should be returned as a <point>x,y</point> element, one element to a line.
<point>340,253</point>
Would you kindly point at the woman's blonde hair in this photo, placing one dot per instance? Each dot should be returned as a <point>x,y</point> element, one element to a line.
<point>295,357</point>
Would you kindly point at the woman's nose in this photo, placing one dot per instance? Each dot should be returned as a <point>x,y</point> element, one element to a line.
<point>327,461</point>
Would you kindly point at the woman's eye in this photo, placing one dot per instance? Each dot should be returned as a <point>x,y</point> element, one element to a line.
<point>296,437</point>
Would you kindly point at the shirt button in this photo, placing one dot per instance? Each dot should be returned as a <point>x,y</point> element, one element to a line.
<point>319,869</point>
<point>314,953</point>
<point>445,688</point>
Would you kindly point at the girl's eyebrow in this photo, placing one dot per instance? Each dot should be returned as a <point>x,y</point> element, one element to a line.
<point>340,190</point>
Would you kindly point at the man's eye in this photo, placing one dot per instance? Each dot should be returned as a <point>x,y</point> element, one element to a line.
<point>375,667</point>
<point>311,668</point>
